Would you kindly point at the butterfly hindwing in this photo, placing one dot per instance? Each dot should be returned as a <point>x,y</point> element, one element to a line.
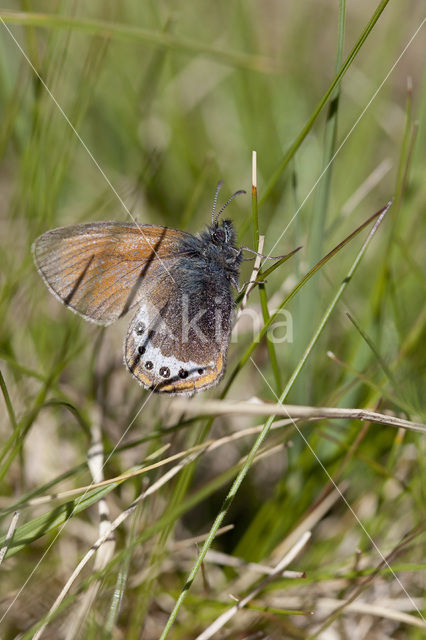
<point>178,339</point>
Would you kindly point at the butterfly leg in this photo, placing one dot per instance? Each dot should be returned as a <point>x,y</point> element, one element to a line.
<point>240,288</point>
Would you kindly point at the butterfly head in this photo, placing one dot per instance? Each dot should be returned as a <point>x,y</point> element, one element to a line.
<point>220,246</point>
<point>222,234</point>
<point>221,239</point>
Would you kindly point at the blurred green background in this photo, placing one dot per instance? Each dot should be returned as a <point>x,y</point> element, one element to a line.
<point>168,98</point>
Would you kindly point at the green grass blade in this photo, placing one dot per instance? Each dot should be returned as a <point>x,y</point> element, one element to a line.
<point>308,126</point>
<point>8,403</point>
<point>241,475</point>
<point>38,527</point>
<point>293,292</point>
<point>262,290</point>
<point>130,33</point>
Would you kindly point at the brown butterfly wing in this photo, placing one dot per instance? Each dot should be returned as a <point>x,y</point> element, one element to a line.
<point>102,269</point>
<point>178,340</point>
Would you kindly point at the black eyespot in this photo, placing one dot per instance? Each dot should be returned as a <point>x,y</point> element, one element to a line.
<point>139,329</point>
<point>183,373</point>
<point>148,365</point>
<point>165,372</point>
<point>200,371</point>
<point>141,350</point>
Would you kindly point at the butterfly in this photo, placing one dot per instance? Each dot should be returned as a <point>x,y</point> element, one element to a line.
<point>179,285</point>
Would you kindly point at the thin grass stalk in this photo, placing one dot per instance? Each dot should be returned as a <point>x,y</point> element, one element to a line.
<point>122,577</point>
<point>8,403</point>
<point>308,305</point>
<point>386,370</point>
<point>406,540</point>
<point>262,290</point>
<point>291,295</point>
<point>379,391</point>
<point>15,442</point>
<point>382,281</point>
<point>321,203</point>
<point>130,32</point>
<point>147,534</point>
<point>308,126</point>
<point>332,305</point>
<point>241,475</point>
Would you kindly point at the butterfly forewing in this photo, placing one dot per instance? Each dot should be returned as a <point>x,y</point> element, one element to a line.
<point>100,269</point>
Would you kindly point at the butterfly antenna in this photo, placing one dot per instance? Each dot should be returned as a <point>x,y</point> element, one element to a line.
<point>237,193</point>
<point>218,188</point>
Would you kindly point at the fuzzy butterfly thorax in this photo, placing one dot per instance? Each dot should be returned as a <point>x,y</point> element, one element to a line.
<point>212,251</point>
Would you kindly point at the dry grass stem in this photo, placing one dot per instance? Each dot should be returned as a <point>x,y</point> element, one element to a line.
<point>9,535</point>
<point>226,560</point>
<point>253,277</point>
<point>371,181</point>
<point>390,611</point>
<point>225,617</point>
<point>310,521</point>
<point>123,516</point>
<point>294,412</point>
<point>205,446</point>
<point>106,535</point>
